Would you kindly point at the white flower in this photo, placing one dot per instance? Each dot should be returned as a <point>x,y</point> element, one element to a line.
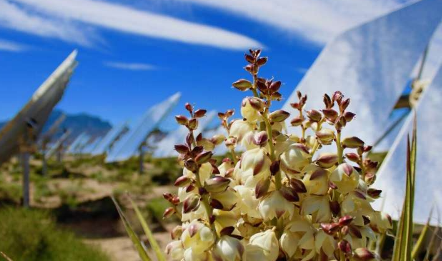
<point>248,203</point>
<point>198,237</point>
<point>295,158</point>
<point>191,255</point>
<point>228,198</point>
<point>318,207</point>
<point>298,239</point>
<point>228,249</point>
<point>275,206</point>
<point>345,177</point>
<point>205,172</point>
<point>316,180</point>
<point>240,128</point>
<point>248,112</point>
<point>263,246</point>
<point>175,250</point>
<point>326,243</point>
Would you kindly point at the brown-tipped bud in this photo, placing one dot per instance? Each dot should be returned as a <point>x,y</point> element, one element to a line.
<point>175,200</point>
<point>230,142</point>
<point>278,116</point>
<point>256,103</point>
<point>349,116</point>
<point>191,203</point>
<point>352,142</point>
<point>352,156</point>
<point>189,188</point>
<point>188,107</point>
<point>318,173</point>
<point>200,113</point>
<point>327,160</point>
<point>217,184</point>
<point>260,138</point>
<point>345,220</point>
<point>374,193</point>
<point>261,61</point>
<point>193,229</point>
<point>191,165</point>
<point>242,85</point>
<point>193,124</point>
<point>168,212</point>
<point>298,185</point>
<point>203,157</point>
<point>176,232</point>
<point>251,68</point>
<point>327,101</point>
<point>337,96</point>
<point>216,204</point>
<point>274,167</point>
<point>289,194</point>
<point>249,58</point>
<point>366,220</point>
<point>345,246</point>
<point>367,148</point>
<point>330,114</point>
<point>274,87</point>
<point>297,121</point>
<point>276,96</point>
<point>295,105</point>
<point>181,148</point>
<point>167,196</point>
<point>262,187</point>
<point>217,139</point>
<point>229,113</point>
<point>197,150</point>
<point>190,139</point>
<point>182,181</point>
<point>354,231</point>
<point>344,104</point>
<point>363,254</point>
<point>330,229</point>
<point>325,136</point>
<point>314,115</point>
<point>227,231</point>
<point>181,119</point>
<point>335,207</point>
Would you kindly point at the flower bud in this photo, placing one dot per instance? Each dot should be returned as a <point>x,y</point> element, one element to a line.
<point>198,237</point>
<point>352,156</point>
<point>345,220</point>
<point>274,167</point>
<point>289,193</point>
<point>242,85</point>
<point>261,61</point>
<point>278,116</point>
<point>349,116</point>
<point>298,185</point>
<point>181,148</point>
<point>352,142</point>
<point>330,114</point>
<point>200,113</point>
<point>330,229</point>
<point>374,193</point>
<point>296,157</point>
<point>345,246</point>
<point>337,96</point>
<point>345,104</point>
<point>191,165</point>
<point>182,181</point>
<point>275,205</point>
<point>327,160</point>
<point>182,120</point>
<point>345,177</point>
<point>217,184</point>
<point>260,138</point>
<point>262,187</point>
<point>168,212</point>
<point>175,250</point>
<point>191,203</point>
<point>188,107</point>
<point>203,157</point>
<point>297,121</point>
<point>314,115</point>
<point>176,232</point>
<point>228,248</point>
<point>325,136</point>
<point>263,245</point>
<point>363,254</point>
<point>193,124</point>
<point>250,108</point>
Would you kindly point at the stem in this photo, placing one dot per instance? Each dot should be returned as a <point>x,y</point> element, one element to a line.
<point>235,160</point>
<point>339,147</point>
<point>278,179</point>
<point>205,201</point>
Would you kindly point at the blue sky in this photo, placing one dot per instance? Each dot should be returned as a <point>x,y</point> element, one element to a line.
<point>133,54</point>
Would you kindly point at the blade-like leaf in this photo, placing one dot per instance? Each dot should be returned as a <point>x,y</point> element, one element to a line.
<point>404,240</point>
<point>135,240</point>
<point>148,232</point>
<point>420,241</point>
<point>5,256</point>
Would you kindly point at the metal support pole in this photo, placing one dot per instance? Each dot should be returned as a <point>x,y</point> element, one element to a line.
<point>24,158</point>
<point>44,164</point>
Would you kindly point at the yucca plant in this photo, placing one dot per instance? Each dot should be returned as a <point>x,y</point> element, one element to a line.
<point>283,198</point>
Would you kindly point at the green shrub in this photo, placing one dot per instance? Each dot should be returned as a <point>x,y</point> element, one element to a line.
<point>32,235</point>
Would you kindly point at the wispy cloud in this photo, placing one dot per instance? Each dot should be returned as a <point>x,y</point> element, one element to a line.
<point>48,13</point>
<point>9,46</point>
<point>131,66</point>
<point>314,20</point>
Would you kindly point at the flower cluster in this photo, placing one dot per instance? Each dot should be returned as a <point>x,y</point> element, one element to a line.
<point>281,198</point>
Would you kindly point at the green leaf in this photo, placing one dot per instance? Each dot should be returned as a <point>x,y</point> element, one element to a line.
<point>420,241</point>
<point>404,240</point>
<point>148,232</point>
<point>135,240</point>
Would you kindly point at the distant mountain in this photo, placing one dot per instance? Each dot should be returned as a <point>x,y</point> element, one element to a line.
<point>77,123</point>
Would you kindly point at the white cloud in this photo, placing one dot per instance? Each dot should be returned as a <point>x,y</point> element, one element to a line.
<point>14,17</point>
<point>11,46</point>
<point>129,20</point>
<point>130,66</point>
<point>314,20</point>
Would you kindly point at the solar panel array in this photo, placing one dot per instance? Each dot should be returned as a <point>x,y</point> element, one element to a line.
<point>165,148</point>
<point>130,143</point>
<point>392,174</point>
<point>111,136</point>
<point>371,64</point>
<point>56,146</point>
<point>37,110</point>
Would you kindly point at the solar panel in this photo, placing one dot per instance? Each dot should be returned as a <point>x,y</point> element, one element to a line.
<point>110,137</point>
<point>56,146</point>
<point>392,174</point>
<point>91,146</point>
<point>84,142</point>
<point>371,64</point>
<point>165,148</point>
<point>37,110</point>
<point>129,144</point>
<point>47,136</point>
<point>76,143</point>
